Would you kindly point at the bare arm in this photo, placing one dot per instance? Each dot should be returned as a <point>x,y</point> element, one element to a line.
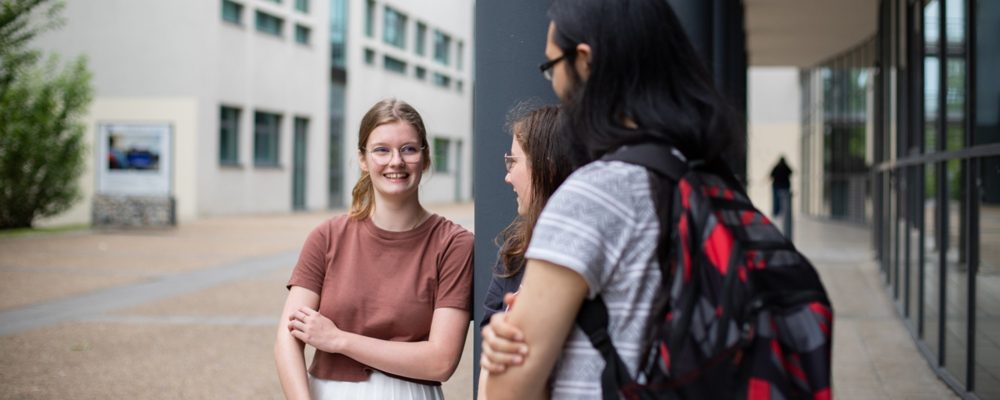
<point>483,378</point>
<point>434,359</point>
<point>546,308</point>
<point>288,351</point>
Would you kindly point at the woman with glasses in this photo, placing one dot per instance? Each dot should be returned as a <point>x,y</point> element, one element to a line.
<point>626,73</point>
<point>382,293</point>
<point>538,162</point>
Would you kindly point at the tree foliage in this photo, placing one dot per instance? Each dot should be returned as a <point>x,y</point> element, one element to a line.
<point>42,147</point>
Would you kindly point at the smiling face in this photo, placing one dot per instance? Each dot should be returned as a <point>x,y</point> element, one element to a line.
<point>519,175</point>
<point>394,176</point>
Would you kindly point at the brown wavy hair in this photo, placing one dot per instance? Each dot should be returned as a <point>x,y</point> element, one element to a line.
<point>550,160</point>
<point>387,111</point>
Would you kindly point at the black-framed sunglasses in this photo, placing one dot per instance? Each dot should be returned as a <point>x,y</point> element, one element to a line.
<point>546,67</point>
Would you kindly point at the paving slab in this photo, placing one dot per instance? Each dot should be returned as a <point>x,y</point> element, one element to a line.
<point>874,356</point>
<point>186,313</point>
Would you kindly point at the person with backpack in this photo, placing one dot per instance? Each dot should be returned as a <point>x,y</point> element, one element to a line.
<point>538,162</point>
<point>666,312</point>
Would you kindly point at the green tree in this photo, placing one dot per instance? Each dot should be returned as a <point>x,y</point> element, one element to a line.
<point>42,145</point>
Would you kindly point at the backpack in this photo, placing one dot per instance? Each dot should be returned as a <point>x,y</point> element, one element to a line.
<point>742,314</point>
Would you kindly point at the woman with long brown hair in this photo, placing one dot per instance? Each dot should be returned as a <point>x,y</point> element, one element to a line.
<point>383,292</point>
<point>538,162</point>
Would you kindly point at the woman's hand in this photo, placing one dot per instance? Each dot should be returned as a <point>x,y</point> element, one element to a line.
<point>503,343</point>
<point>314,329</point>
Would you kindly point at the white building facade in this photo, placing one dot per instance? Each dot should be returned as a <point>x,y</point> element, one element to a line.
<point>263,116</point>
<point>242,84</point>
<point>419,51</point>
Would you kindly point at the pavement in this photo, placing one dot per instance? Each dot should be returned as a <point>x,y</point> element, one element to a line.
<point>874,356</point>
<point>191,312</point>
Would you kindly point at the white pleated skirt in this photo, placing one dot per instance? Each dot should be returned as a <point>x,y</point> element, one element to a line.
<point>379,386</point>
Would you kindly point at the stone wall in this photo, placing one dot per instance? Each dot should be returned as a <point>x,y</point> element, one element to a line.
<point>134,211</point>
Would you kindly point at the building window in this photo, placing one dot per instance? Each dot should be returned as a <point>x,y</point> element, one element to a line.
<point>442,80</point>
<point>229,135</point>
<point>232,12</point>
<point>441,150</point>
<point>338,33</point>
<point>266,136</point>
<point>369,56</point>
<point>459,86</point>
<point>421,39</point>
<point>275,1</point>
<point>269,24</point>
<point>394,31</point>
<point>420,73</point>
<point>370,18</point>
<point>458,56</point>
<point>301,34</point>
<point>302,5</point>
<point>442,44</point>
<point>394,65</point>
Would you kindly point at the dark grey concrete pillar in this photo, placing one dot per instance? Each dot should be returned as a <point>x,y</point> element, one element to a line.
<point>717,31</point>
<point>510,43</point>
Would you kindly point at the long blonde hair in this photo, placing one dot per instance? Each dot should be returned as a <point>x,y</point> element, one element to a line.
<point>387,111</point>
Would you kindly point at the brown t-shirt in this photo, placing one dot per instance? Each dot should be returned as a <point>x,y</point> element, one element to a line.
<point>383,284</point>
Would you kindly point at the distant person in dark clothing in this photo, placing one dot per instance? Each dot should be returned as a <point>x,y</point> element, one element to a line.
<point>780,184</point>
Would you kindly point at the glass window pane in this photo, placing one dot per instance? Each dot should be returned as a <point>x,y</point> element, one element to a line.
<point>955,21</point>
<point>931,297</point>
<point>913,230</point>
<point>955,97</point>
<point>421,38</point>
<point>369,56</point>
<point>932,75</point>
<point>421,73</point>
<point>956,315</point>
<point>442,47</point>
<point>987,79</point>
<point>394,65</point>
<point>394,31</point>
<point>232,12</point>
<point>442,80</point>
<point>302,5</point>
<point>266,138</point>
<point>988,276</point>
<point>268,23</point>
<point>302,34</point>
<point>441,150</point>
<point>229,135</point>
<point>370,18</point>
<point>338,32</point>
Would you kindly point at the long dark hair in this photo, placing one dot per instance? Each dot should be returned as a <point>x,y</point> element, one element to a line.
<point>550,159</point>
<point>642,67</point>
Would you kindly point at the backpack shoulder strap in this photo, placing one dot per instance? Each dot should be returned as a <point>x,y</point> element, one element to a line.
<point>660,158</point>
<point>593,320</point>
<point>667,163</point>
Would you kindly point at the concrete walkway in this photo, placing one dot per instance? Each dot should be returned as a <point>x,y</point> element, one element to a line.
<point>191,312</point>
<point>874,355</point>
<point>157,314</point>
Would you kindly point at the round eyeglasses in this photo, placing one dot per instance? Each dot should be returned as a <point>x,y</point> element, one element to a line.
<point>409,153</point>
<point>509,161</point>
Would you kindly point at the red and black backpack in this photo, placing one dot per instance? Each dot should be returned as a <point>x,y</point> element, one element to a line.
<point>742,314</point>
